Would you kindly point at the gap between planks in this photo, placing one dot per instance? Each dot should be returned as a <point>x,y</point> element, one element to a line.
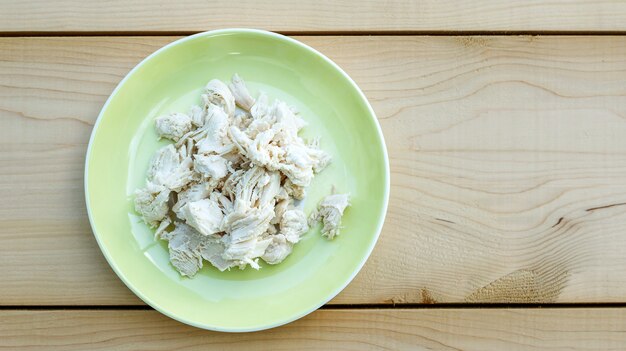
<point>317,33</point>
<point>411,306</point>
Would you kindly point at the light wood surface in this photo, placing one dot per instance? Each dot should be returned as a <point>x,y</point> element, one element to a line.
<point>323,16</point>
<point>508,158</point>
<point>399,329</point>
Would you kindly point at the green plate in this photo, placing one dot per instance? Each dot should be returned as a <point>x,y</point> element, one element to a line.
<point>123,141</point>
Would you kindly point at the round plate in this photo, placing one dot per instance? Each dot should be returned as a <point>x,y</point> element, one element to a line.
<point>171,79</point>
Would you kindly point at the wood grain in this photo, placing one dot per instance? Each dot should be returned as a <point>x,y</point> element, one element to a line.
<point>397,329</point>
<point>508,159</point>
<point>321,16</point>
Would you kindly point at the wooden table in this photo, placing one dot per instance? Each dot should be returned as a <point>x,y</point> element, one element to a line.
<point>506,131</point>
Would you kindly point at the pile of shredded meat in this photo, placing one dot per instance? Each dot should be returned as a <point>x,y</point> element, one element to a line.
<point>228,189</point>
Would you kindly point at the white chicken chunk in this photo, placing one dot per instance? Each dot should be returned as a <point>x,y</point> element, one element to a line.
<point>212,138</point>
<point>246,252</point>
<point>277,250</point>
<point>213,251</point>
<point>185,246</point>
<point>169,169</point>
<point>204,215</point>
<point>151,203</point>
<point>224,202</point>
<point>253,188</point>
<point>329,211</point>
<point>197,115</point>
<point>195,192</point>
<point>296,191</point>
<point>243,226</point>
<point>300,163</point>
<point>243,98</point>
<point>229,190</point>
<point>293,225</point>
<point>260,108</point>
<point>242,120</point>
<point>217,93</point>
<point>282,205</point>
<point>258,150</point>
<point>173,126</point>
<point>211,166</point>
<point>286,119</point>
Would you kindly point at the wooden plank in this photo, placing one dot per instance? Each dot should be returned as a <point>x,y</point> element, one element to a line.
<point>326,15</point>
<point>395,329</point>
<point>507,157</point>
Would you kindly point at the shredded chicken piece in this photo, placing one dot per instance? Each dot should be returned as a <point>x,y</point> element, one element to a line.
<point>204,215</point>
<point>277,250</point>
<point>218,94</point>
<point>213,252</point>
<point>211,166</point>
<point>243,98</point>
<point>329,211</point>
<point>295,191</point>
<point>228,189</point>
<point>173,126</point>
<point>151,203</point>
<point>170,169</point>
<point>197,115</point>
<point>185,247</point>
<point>293,225</point>
<point>195,192</point>
<point>211,138</point>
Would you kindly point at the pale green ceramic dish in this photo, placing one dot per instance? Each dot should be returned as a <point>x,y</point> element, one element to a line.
<point>123,141</point>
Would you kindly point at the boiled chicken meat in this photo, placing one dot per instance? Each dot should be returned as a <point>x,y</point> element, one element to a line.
<point>228,189</point>
<point>329,211</point>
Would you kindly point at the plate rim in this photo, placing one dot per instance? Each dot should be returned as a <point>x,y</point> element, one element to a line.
<point>296,316</point>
